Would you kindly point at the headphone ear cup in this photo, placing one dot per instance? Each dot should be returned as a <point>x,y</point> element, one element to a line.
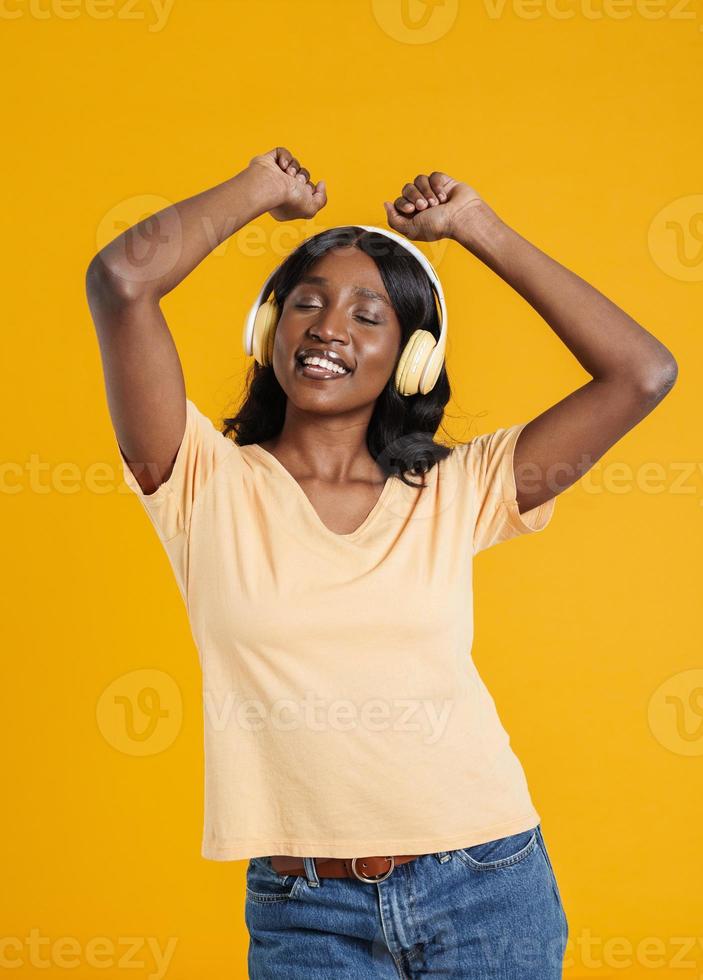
<point>413,361</point>
<point>264,332</point>
<point>270,337</point>
<point>433,368</point>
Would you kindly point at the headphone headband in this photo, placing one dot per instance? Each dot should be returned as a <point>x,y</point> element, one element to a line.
<point>424,262</point>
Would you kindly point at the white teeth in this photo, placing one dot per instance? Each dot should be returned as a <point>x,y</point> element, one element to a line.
<point>324,363</point>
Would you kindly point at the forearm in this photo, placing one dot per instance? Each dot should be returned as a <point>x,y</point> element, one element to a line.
<point>607,342</point>
<point>156,254</point>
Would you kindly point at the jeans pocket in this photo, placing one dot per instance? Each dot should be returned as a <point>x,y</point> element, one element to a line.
<point>264,884</point>
<point>504,852</point>
<point>545,855</point>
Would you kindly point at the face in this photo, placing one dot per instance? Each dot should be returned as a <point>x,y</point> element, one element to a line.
<point>340,306</point>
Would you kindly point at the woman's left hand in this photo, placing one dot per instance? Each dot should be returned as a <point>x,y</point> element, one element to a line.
<point>431,207</point>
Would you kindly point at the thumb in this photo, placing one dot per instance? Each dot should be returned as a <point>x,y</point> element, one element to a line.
<point>395,218</point>
<point>319,195</point>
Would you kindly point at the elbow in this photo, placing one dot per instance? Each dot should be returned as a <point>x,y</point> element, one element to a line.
<point>657,384</point>
<point>107,283</point>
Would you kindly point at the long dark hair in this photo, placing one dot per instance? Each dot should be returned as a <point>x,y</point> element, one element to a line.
<point>401,429</point>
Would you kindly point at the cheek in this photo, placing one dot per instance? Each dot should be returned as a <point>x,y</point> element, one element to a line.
<point>383,349</point>
<point>379,364</point>
<point>284,336</point>
<point>284,346</point>
<point>386,356</point>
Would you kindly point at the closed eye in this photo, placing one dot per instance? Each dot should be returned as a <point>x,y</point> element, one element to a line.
<point>307,306</point>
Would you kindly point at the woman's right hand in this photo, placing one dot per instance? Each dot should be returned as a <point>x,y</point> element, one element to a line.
<point>288,185</point>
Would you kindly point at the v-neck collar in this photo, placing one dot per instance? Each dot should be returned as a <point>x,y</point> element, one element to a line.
<point>276,464</point>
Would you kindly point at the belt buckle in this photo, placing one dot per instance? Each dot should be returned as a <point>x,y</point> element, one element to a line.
<point>386,874</point>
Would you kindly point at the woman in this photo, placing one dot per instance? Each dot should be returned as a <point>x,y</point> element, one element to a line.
<point>353,753</point>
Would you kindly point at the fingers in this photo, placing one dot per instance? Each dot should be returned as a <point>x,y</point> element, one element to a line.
<point>290,164</point>
<point>439,183</point>
<point>424,193</point>
<point>422,182</point>
<point>411,196</point>
<point>283,157</point>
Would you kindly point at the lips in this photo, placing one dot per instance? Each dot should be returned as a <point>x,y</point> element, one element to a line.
<point>319,373</point>
<point>324,352</point>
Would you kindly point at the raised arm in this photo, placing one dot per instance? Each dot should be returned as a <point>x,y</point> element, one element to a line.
<point>631,370</point>
<point>126,280</point>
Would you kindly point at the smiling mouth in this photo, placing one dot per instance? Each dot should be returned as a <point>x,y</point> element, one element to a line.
<point>319,373</point>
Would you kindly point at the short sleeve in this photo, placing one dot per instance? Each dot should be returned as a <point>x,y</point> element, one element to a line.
<point>487,462</point>
<point>201,451</point>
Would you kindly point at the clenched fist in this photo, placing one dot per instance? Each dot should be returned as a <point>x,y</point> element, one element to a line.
<point>288,186</point>
<point>431,207</point>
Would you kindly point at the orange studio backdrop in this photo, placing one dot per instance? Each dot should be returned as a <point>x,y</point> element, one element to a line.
<point>579,122</point>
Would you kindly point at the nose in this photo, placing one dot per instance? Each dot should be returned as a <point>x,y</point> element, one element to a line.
<point>331,325</point>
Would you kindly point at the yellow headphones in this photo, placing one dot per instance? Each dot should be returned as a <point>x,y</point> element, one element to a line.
<point>421,359</point>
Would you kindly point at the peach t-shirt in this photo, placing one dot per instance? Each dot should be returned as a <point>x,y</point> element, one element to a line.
<point>343,713</point>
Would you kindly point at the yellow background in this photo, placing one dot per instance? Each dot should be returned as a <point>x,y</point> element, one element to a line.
<point>579,122</point>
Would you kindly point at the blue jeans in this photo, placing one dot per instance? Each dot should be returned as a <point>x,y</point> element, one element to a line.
<point>487,912</point>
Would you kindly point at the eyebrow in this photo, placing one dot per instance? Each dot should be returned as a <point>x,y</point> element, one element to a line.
<point>357,290</point>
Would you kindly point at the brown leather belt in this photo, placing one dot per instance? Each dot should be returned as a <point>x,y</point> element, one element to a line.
<point>368,869</point>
